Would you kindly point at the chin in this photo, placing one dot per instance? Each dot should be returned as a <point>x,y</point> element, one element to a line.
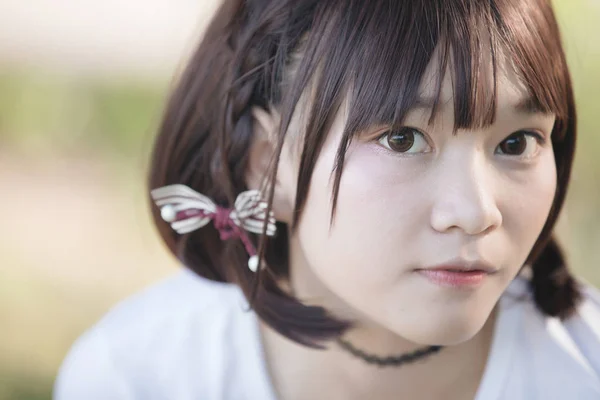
<point>448,330</point>
<point>454,336</point>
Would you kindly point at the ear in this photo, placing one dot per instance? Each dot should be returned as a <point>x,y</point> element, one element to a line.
<point>261,154</point>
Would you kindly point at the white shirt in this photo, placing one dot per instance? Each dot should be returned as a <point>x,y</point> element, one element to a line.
<point>188,338</point>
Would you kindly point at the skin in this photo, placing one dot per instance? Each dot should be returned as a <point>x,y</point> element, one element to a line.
<point>449,197</point>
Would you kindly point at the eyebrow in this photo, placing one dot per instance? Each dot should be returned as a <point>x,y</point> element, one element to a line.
<point>526,105</point>
<point>426,103</point>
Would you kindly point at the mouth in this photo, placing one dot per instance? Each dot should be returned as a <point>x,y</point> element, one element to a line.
<point>458,273</point>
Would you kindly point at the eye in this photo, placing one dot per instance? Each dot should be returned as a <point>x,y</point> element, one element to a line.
<point>523,144</point>
<point>405,140</point>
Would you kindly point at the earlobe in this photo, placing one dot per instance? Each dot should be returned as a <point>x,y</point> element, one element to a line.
<point>260,157</point>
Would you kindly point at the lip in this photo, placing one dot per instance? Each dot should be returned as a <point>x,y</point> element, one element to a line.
<point>458,273</point>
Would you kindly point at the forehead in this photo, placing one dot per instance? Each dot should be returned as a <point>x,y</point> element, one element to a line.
<point>494,84</point>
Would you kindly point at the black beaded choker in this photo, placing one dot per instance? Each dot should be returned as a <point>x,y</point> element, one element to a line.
<point>389,361</point>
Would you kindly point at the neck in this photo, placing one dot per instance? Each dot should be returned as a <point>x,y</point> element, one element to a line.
<point>299,372</point>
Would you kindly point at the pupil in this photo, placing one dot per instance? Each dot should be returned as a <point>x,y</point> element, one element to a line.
<point>402,140</point>
<point>515,145</point>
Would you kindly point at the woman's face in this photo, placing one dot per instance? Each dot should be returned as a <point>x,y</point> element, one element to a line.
<point>419,198</point>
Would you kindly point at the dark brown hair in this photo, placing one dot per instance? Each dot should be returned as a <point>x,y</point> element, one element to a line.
<point>266,53</point>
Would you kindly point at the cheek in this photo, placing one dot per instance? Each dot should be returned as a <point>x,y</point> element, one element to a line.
<point>365,236</point>
<point>527,205</point>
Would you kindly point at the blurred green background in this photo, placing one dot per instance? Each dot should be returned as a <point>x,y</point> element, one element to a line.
<point>82,84</point>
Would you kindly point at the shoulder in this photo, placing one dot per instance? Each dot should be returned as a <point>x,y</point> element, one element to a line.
<point>168,304</point>
<point>584,328</point>
<point>168,310</point>
<point>551,356</point>
<point>156,337</point>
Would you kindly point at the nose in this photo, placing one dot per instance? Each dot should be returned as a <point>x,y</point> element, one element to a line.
<point>465,197</point>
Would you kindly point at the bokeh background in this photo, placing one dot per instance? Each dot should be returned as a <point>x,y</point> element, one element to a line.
<point>82,84</point>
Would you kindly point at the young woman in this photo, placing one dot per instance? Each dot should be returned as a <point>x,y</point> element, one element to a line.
<point>364,195</point>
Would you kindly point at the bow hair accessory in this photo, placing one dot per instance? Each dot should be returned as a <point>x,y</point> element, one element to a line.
<point>187,210</point>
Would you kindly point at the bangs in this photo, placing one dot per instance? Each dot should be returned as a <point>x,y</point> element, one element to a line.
<point>471,40</point>
<point>376,58</point>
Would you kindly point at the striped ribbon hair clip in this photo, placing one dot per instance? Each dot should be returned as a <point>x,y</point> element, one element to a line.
<point>187,210</point>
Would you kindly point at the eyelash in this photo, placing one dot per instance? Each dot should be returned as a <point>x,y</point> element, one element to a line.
<point>540,140</point>
<point>387,134</point>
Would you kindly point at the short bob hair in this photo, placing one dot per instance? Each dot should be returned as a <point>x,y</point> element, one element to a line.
<point>373,54</point>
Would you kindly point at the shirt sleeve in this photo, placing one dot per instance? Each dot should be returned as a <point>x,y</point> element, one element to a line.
<point>88,372</point>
